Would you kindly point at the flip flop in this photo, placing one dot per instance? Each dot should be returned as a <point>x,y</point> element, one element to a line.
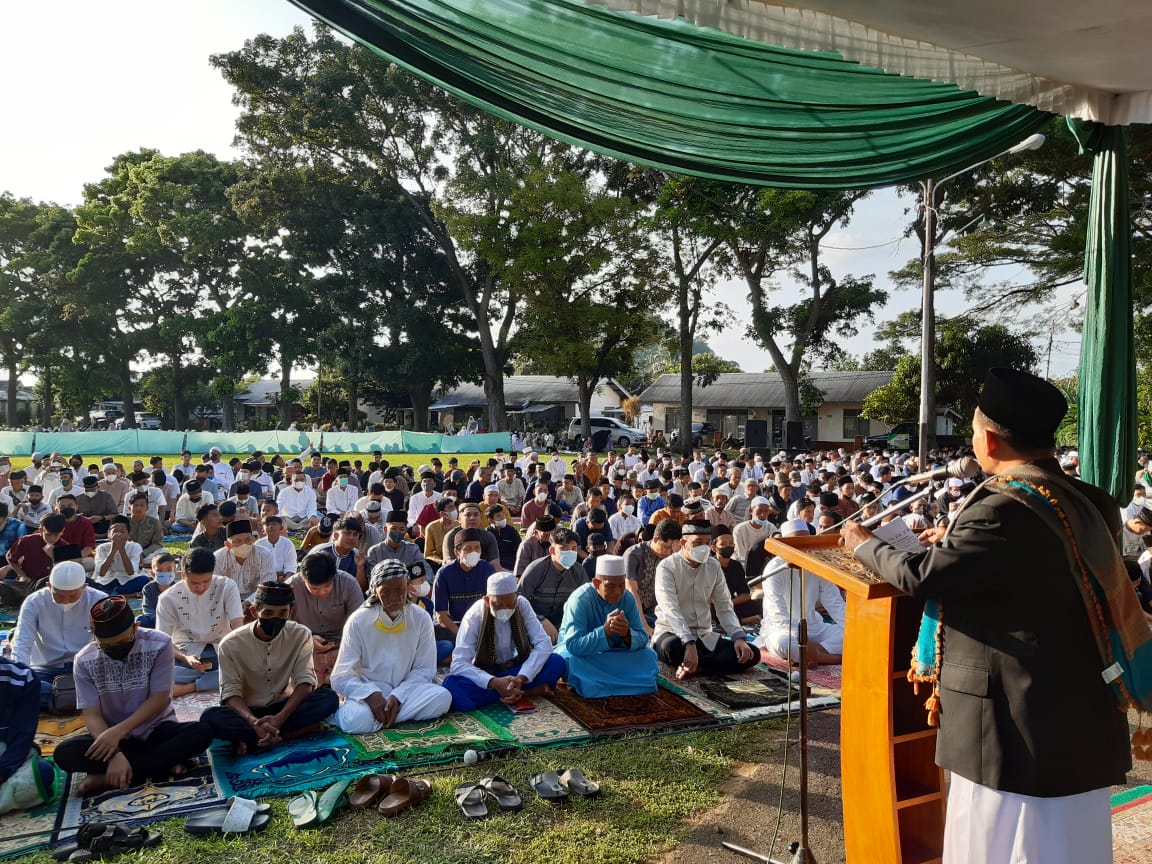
<point>547,786</point>
<point>310,809</point>
<point>240,818</point>
<point>405,794</point>
<point>470,799</point>
<point>574,781</point>
<point>369,790</point>
<point>507,798</point>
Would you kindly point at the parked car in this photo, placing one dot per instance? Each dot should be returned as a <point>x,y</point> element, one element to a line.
<point>620,432</point>
<point>906,436</point>
<point>104,419</point>
<point>147,420</point>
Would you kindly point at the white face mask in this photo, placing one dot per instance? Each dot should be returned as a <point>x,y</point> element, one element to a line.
<point>503,614</point>
<point>298,485</point>
<point>423,589</point>
<point>471,559</point>
<point>450,515</point>
<point>90,494</point>
<point>699,554</point>
<point>241,551</point>
<point>627,509</point>
<point>568,558</point>
<point>500,523</point>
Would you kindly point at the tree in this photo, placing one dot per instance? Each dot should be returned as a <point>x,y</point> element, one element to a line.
<point>706,367</point>
<point>963,355</point>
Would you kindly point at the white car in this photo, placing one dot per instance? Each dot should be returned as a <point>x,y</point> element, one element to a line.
<point>147,420</point>
<point>622,434</point>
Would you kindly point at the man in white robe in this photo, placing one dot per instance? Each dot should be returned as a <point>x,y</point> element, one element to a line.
<point>386,669</point>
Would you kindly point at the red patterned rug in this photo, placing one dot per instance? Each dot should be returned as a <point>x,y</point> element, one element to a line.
<point>1132,826</point>
<point>615,714</point>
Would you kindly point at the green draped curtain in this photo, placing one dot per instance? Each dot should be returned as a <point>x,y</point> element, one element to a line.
<point>684,98</point>
<point>703,102</point>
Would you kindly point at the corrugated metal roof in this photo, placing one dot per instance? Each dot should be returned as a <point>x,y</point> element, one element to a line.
<point>741,390</point>
<point>522,390</point>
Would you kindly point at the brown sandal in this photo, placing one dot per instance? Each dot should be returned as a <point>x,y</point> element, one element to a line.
<point>370,789</point>
<point>405,793</point>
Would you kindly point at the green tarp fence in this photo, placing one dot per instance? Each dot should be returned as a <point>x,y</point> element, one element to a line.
<point>158,441</point>
<point>702,102</point>
<point>89,443</point>
<point>16,443</point>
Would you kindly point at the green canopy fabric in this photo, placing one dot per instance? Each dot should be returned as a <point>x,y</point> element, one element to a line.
<point>1107,420</point>
<point>684,98</point>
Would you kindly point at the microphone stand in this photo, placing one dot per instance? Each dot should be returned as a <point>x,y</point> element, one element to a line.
<point>801,854</point>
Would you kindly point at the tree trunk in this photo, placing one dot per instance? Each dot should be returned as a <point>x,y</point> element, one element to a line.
<point>228,405</point>
<point>421,397</point>
<point>494,392</point>
<point>685,372</point>
<point>286,406</point>
<point>791,382</point>
<point>353,403</point>
<point>13,391</point>
<point>128,395</point>
<point>45,399</point>
<point>585,386</point>
<point>179,406</point>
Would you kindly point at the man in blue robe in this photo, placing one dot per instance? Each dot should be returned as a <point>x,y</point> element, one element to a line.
<point>602,637</point>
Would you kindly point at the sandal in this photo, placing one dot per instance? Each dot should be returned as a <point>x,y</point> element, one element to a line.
<point>547,786</point>
<point>310,809</point>
<point>574,781</point>
<point>507,798</point>
<point>242,817</point>
<point>470,799</point>
<point>115,841</point>
<point>369,790</point>
<point>405,794</point>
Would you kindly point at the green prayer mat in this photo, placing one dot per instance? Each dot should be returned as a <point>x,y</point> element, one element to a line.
<point>544,727</point>
<point>40,822</point>
<point>455,731</point>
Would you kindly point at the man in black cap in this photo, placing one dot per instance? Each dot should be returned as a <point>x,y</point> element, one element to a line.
<point>97,505</point>
<point>344,548</point>
<point>396,545</point>
<point>1029,727</point>
<point>124,683</point>
<point>268,689</point>
<point>460,582</point>
<point>536,544</point>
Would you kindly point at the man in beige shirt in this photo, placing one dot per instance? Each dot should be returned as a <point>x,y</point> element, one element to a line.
<point>267,681</point>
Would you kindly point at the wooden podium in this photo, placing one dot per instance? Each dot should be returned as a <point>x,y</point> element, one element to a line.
<point>893,792</point>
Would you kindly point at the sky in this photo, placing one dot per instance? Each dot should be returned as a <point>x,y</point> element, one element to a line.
<point>86,81</point>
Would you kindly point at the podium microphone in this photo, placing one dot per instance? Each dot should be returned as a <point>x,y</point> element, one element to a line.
<point>965,468</point>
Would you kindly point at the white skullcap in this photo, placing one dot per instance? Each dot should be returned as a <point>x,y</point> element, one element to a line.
<point>491,487</point>
<point>68,576</point>
<point>611,565</point>
<point>955,482</point>
<point>916,521</point>
<point>501,583</point>
<point>794,528</point>
<point>758,501</point>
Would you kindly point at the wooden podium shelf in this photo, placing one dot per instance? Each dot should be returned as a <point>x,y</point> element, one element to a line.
<point>892,789</point>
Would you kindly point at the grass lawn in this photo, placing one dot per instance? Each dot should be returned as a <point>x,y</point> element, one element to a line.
<point>651,788</point>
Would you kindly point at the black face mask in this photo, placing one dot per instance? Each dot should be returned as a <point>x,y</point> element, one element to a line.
<point>395,536</point>
<point>272,626</point>
<point>726,551</point>
<point>118,652</point>
<point>67,512</point>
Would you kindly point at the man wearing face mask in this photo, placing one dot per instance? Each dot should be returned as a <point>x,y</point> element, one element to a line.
<point>194,497</point>
<point>11,530</point>
<point>651,502</point>
<point>386,671</point>
<point>296,504</point>
<point>325,597</point>
<point>163,575</point>
<point>78,539</point>
<point>756,530</point>
<point>425,497</point>
<point>506,536</point>
<point>342,495</point>
<point>396,545</point>
<point>502,652</point>
<point>624,521</point>
<point>689,585</point>
<point>96,505</point>
<point>242,561</point>
<point>460,582</point>
<point>53,625</point>
<point>734,576</point>
<point>470,518</point>
<point>549,582</point>
<point>537,504</point>
<point>268,689</point>
<point>436,531</point>
<point>124,691</point>
<point>65,487</point>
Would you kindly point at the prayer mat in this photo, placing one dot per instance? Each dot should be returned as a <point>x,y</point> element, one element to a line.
<point>29,830</point>
<point>737,695</point>
<point>412,742</point>
<point>8,615</point>
<point>189,708</point>
<point>304,763</point>
<point>1132,826</point>
<point>614,714</point>
<point>51,730</point>
<point>693,688</point>
<point>825,678</point>
<point>548,725</point>
<point>140,805</point>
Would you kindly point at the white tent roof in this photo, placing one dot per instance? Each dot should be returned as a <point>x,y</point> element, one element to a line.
<point>1085,59</point>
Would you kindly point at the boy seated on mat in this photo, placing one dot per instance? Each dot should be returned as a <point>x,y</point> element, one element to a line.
<point>267,681</point>
<point>124,690</point>
<point>386,670</point>
<point>501,651</point>
<point>688,585</point>
<point>603,639</point>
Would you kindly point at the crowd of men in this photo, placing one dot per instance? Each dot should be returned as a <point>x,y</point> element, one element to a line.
<point>413,592</point>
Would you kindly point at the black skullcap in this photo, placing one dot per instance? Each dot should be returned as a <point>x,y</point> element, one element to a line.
<point>240,526</point>
<point>829,499</point>
<point>397,516</point>
<point>90,481</point>
<point>275,594</point>
<point>111,617</point>
<point>466,535</point>
<point>227,508</point>
<point>547,522</point>
<point>325,526</point>
<point>693,510</point>
<point>688,529</point>
<point>1027,406</point>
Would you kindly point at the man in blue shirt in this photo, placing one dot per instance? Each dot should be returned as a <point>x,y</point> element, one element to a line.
<point>11,530</point>
<point>460,583</point>
<point>651,502</point>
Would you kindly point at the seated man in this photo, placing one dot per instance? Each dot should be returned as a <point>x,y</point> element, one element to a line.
<point>725,548</point>
<point>470,517</point>
<point>26,780</point>
<point>755,530</point>
<point>460,583</point>
<point>782,611</point>
<point>144,529</point>
<point>267,682</point>
<point>53,625</point>
<point>30,558</point>
<point>161,577</point>
<point>184,517</point>
<point>689,585</point>
<point>386,671</point>
<point>296,504</point>
<point>596,522</point>
<point>397,545</point>
<point>197,612</point>
<point>242,561</point>
<point>96,504</point>
<point>344,549</point>
<point>501,651</point>
<point>281,548</point>
<point>209,532</point>
<point>436,530</point>
<point>535,544</point>
<point>118,562</point>
<point>506,536</point>
<point>78,539</point>
<point>603,639</point>
<point>548,582</point>
<point>325,597</point>
<point>124,691</point>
